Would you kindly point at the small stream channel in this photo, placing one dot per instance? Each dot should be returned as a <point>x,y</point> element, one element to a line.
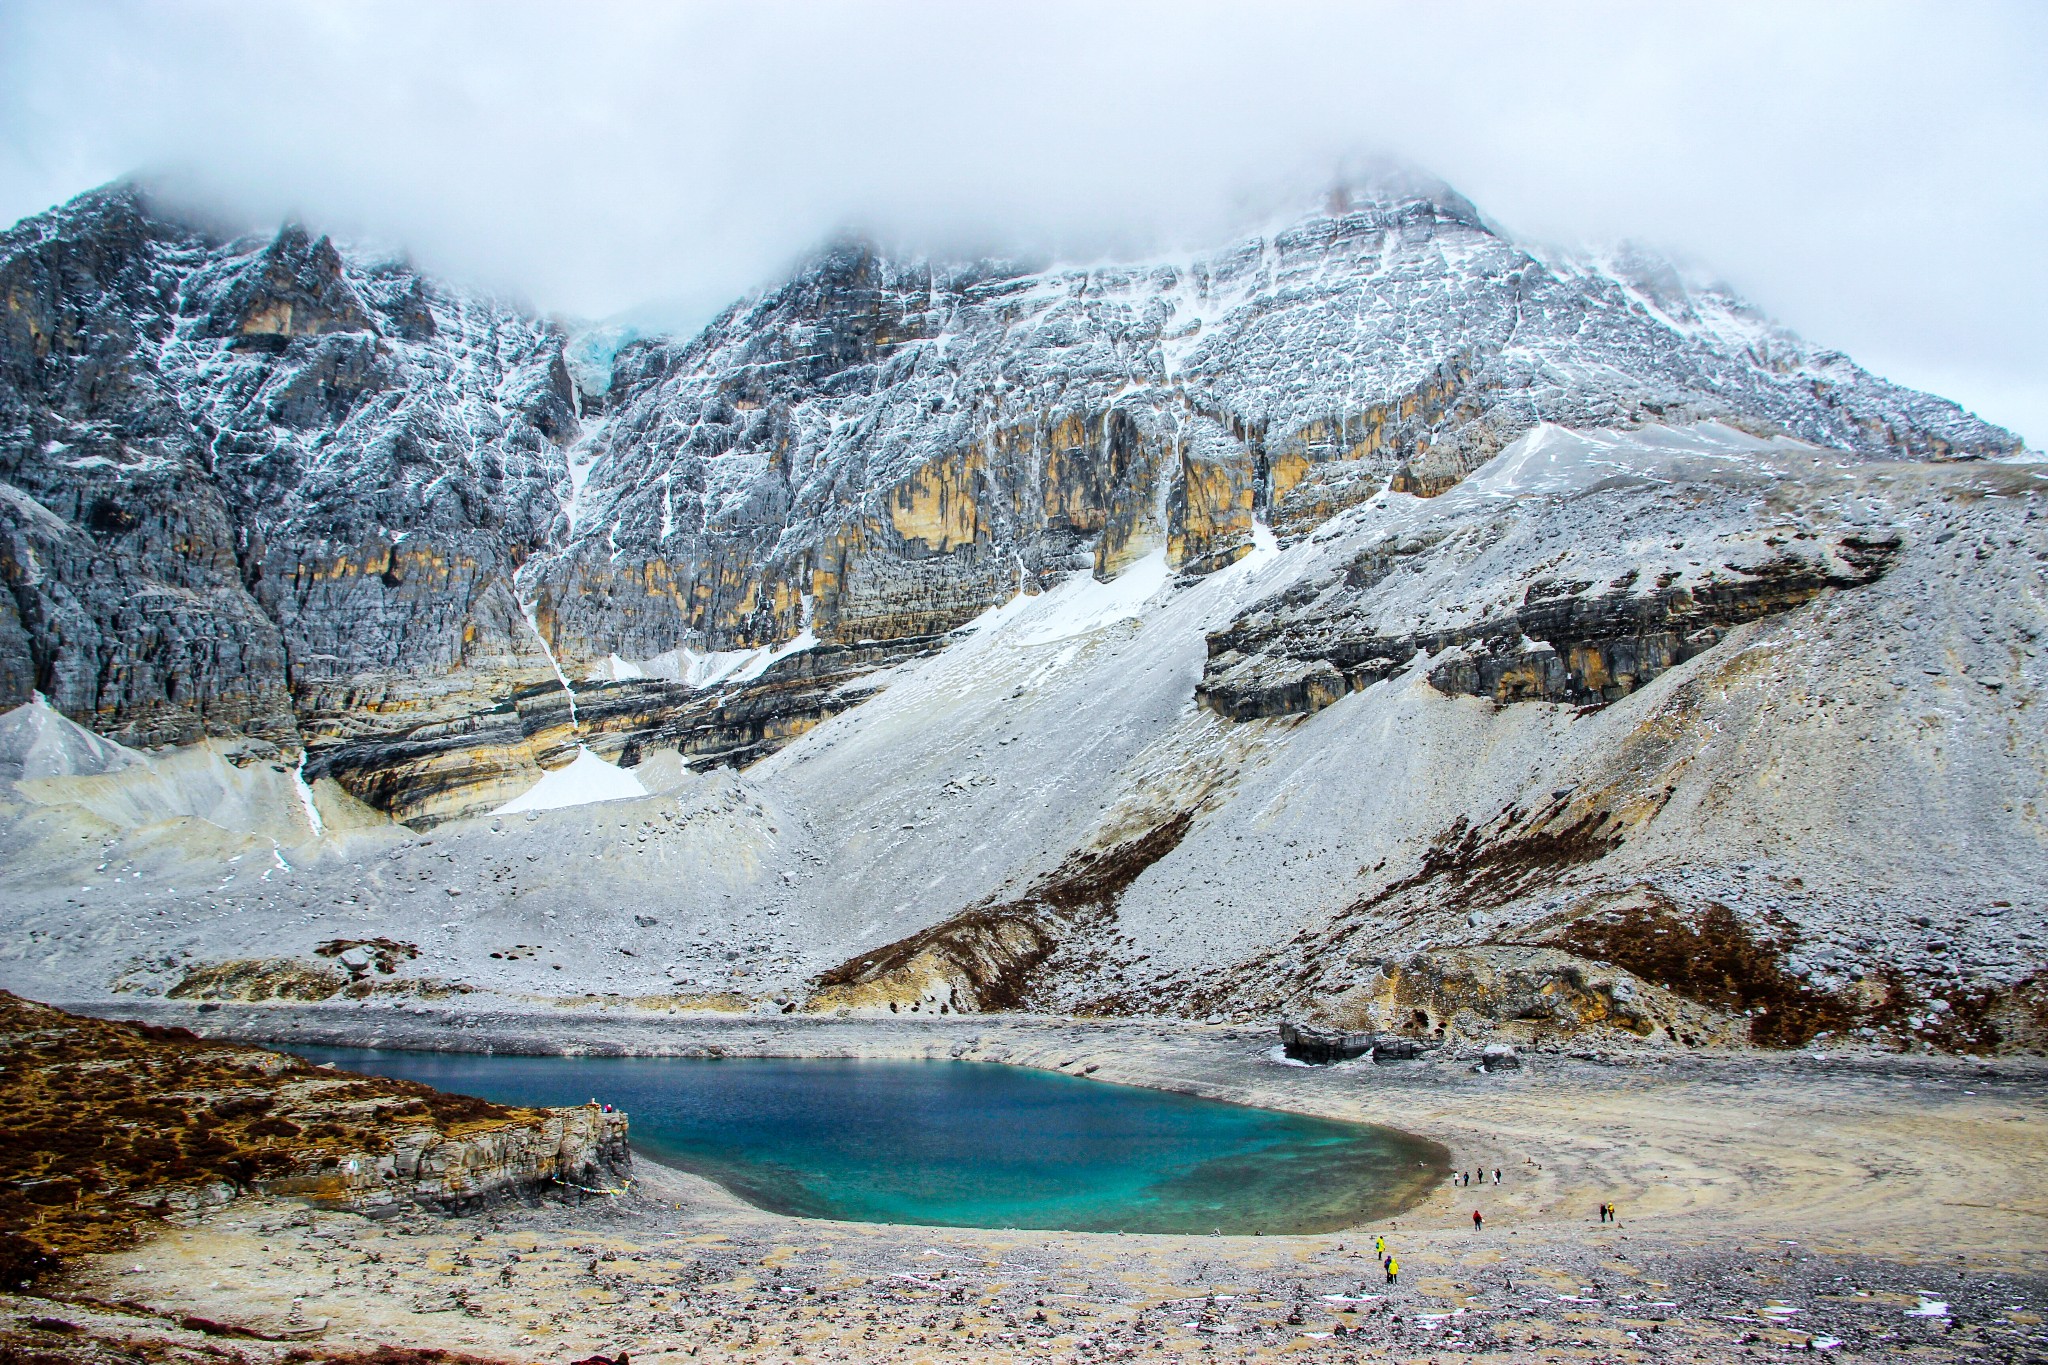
<point>962,1144</point>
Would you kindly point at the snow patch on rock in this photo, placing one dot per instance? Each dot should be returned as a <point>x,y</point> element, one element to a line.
<point>1080,606</point>
<point>587,780</point>
<point>37,741</point>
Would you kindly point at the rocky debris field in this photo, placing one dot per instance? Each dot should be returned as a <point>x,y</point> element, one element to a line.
<point>555,1283</point>
<point>1880,1209</point>
<point>1760,841</point>
<point>111,1128</point>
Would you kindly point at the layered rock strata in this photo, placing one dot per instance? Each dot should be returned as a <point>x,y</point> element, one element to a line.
<point>1567,641</point>
<point>439,771</point>
<point>269,486</point>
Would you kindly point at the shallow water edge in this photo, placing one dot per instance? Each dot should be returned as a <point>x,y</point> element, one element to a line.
<point>1204,1062</point>
<point>964,1143</point>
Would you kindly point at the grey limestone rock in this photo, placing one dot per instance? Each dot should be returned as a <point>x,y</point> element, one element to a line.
<point>277,487</point>
<point>1319,1046</point>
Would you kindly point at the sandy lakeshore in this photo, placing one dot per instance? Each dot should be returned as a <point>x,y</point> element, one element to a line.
<point>1866,1204</point>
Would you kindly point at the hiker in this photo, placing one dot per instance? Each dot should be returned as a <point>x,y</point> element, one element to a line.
<point>1379,1246</point>
<point>1393,1270</point>
<point>1478,1221</point>
<point>1496,1175</point>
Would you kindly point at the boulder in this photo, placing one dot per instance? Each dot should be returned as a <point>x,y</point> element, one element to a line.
<point>1307,1043</point>
<point>1500,1057</point>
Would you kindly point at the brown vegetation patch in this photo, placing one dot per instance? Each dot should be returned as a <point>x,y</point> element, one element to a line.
<point>110,1124</point>
<point>989,951</point>
<point>1977,1019</point>
<point>95,1341</point>
<point>1482,866</point>
<point>1715,959</point>
<point>1477,867</point>
<point>259,978</point>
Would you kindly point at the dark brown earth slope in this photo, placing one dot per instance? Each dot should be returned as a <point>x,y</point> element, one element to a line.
<point>106,1127</point>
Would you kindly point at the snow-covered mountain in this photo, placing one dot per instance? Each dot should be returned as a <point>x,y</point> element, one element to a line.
<point>888,445</point>
<point>323,499</point>
<point>257,486</point>
<point>1366,617</point>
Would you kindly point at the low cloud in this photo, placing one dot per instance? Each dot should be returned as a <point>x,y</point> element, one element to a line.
<point>1869,172</point>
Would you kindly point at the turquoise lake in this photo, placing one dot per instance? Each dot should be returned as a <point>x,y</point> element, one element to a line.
<point>961,1144</point>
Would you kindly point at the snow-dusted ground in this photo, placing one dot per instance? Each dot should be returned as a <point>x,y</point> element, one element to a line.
<point>1868,768</point>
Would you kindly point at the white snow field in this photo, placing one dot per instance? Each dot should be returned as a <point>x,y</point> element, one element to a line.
<point>583,781</point>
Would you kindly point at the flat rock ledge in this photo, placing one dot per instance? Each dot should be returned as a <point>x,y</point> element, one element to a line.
<point>580,1149</point>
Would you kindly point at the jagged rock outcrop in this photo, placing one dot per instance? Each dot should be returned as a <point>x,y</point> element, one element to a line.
<point>1321,1046</point>
<point>1567,640</point>
<point>255,486</point>
<point>1537,993</point>
<point>273,487</point>
<point>983,958</point>
<point>459,1170</point>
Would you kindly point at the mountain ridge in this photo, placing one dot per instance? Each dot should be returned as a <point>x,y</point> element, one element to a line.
<point>1238,633</point>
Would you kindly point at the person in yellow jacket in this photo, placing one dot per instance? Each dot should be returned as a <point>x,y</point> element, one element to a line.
<point>1393,1270</point>
<point>1379,1246</point>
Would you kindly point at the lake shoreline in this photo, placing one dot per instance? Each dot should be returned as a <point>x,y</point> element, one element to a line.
<point>1765,1199</point>
<point>961,1143</point>
<point>1020,1039</point>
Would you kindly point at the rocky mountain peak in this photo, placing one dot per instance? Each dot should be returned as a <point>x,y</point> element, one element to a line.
<point>376,506</point>
<point>295,287</point>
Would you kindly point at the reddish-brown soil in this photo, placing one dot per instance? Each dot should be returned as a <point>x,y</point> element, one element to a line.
<point>105,1126</point>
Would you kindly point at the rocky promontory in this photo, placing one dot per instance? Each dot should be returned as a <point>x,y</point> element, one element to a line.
<point>112,1127</point>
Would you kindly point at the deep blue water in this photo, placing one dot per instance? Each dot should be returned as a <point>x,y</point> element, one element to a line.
<point>965,1144</point>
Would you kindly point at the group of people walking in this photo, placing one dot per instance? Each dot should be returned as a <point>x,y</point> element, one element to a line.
<point>1477,1176</point>
<point>1387,1261</point>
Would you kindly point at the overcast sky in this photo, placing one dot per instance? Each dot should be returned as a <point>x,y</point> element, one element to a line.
<point>1871,173</point>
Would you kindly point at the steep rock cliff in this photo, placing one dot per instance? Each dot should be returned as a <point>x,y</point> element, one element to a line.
<point>261,486</point>
<point>278,487</point>
<point>881,448</point>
